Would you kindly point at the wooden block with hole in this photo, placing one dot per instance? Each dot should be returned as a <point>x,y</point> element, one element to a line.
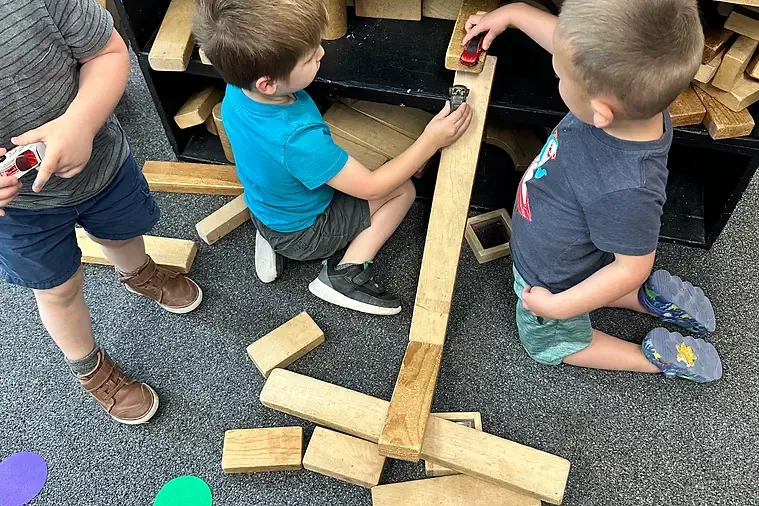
<point>198,108</point>
<point>344,457</point>
<point>410,10</point>
<point>706,71</point>
<point>359,128</point>
<point>441,9</point>
<point>471,419</point>
<point>482,254</point>
<point>687,109</point>
<point>368,158</point>
<point>182,177</point>
<point>222,133</point>
<point>174,43</point>
<point>285,344</point>
<point>744,92</point>
<point>521,144</point>
<point>261,450</point>
<point>742,24</point>
<point>223,221</point>
<point>734,62</point>
<point>721,122</point>
<point>453,53</point>
<point>448,491</point>
<point>409,121</point>
<point>174,254</point>
<point>715,40</point>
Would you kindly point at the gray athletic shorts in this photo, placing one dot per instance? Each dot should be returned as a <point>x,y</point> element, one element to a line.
<point>334,229</point>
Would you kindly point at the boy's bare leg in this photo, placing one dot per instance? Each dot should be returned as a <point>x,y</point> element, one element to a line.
<point>613,354</point>
<point>387,214</point>
<point>629,301</point>
<point>128,256</point>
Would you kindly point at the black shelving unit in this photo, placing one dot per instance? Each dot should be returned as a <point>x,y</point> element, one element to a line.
<point>400,62</point>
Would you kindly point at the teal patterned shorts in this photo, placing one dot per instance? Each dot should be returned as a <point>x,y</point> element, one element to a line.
<point>549,341</point>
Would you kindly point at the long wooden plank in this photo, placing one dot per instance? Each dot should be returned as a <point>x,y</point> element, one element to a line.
<point>740,23</point>
<point>174,254</point>
<point>471,419</point>
<point>412,399</point>
<point>453,53</point>
<point>357,127</point>
<point>448,491</point>
<point>706,71</point>
<point>721,122</point>
<point>198,107</point>
<point>368,158</point>
<point>223,221</point>
<point>225,144</point>
<point>409,121</point>
<point>488,457</point>
<point>285,344</point>
<point>441,9</point>
<point>174,43</point>
<point>687,109</point>
<point>744,93</point>
<point>261,450</point>
<point>734,62</point>
<point>450,205</point>
<point>181,177</point>
<point>410,10</point>
<point>344,458</point>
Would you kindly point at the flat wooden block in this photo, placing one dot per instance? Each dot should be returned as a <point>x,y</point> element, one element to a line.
<point>410,405</point>
<point>453,53</point>
<point>223,221</point>
<point>441,9</point>
<point>198,108</point>
<point>174,254</point>
<point>734,62</point>
<point>740,23</point>
<point>361,129</point>
<point>715,40</point>
<point>368,158</point>
<point>745,92</point>
<point>181,177</point>
<point>721,122</point>
<point>409,121</point>
<point>260,450</point>
<point>471,419</point>
<point>344,458</point>
<point>226,146</point>
<point>687,109</point>
<point>481,253</point>
<point>706,71</point>
<point>285,344</point>
<point>448,491</point>
<point>390,9</point>
<point>173,44</point>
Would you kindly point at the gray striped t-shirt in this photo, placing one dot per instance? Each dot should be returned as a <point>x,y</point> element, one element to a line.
<point>40,48</point>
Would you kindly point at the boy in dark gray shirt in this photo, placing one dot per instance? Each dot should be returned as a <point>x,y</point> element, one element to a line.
<point>588,210</point>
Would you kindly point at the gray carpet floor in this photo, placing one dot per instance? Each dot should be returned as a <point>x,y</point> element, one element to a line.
<point>632,439</point>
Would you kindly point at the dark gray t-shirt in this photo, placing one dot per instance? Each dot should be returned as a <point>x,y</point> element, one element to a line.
<point>587,196</point>
<point>40,48</point>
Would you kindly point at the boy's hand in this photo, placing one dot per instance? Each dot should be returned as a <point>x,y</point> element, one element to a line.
<point>9,188</point>
<point>446,127</point>
<point>541,302</point>
<point>491,23</point>
<point>68,148</point>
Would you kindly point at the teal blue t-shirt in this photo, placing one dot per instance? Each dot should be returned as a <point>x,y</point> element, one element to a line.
<point>284,155</point>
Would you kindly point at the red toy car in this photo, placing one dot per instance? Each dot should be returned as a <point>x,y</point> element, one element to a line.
<point>471,55</point>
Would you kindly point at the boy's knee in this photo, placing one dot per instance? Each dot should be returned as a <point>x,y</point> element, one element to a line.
<point>64,294</point>
<point>409,190</point>
<point>109,243</point>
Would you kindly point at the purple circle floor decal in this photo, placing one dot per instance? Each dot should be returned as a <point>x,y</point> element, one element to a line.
<point>22,476</point>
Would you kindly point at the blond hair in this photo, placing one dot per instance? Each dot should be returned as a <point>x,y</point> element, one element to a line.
<point>642,52</point>
<point>249,39</point>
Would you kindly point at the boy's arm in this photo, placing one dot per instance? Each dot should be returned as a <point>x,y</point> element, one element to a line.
<point>537,24</point>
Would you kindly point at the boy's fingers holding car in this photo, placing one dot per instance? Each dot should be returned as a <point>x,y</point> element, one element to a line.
<point>9,188</point>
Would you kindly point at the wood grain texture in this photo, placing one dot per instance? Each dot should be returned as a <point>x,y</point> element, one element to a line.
<point>361,129</point>
<point>226,146</point>
<point>706,71</point>
<point>453,53</point>
<point>211,125</point>
<point>441,9</point>
<point>285,344</point>
<point>715,40</point>
<point>181,177</point>
<point>745,92</point>
<point>344,457</point>
<point>410,405</point>
<point>410,10</point>
<point>472,419</point>
<point>261,450</point>
<point>721,122</point>
<point>734,62</point>
<point>450,206</point>
<point>198,108</point>
<point>482,254</point>
<point>753,67</point>
<point>368,158</point>
<point>448,491</point>
<point>742,24</point>
<point>174,254</point>
<point>409,121</point>
<point>521,144</point>
<point>174,43</point>
<point>223,221</point>
<point>687,109</point>
<point>337,24</point>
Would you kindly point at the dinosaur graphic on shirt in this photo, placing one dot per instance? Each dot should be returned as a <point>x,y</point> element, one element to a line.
<point>536,171</point>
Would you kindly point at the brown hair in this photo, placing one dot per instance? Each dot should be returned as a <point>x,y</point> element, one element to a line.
<point>642,52</point>
<point>249,39</point>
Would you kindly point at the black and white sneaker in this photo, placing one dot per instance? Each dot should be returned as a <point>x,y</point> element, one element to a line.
<point>353,286</point>
<point>269,264</point>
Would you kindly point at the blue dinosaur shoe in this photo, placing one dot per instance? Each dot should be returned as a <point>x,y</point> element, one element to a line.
<point>684,357</point>
<point>676,301</point>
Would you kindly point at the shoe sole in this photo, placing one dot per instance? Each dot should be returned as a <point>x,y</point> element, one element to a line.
<point>147,416</point>
<point>707,367</point>
<point>693,309</point>
<point>177,310</point>
<point>329,294</point>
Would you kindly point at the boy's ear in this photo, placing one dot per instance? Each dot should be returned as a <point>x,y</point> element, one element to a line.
<point>603,112</point>
<point>266,85</point>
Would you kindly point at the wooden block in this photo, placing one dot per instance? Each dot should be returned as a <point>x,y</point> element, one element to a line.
<point>203,58</point>
<point>285,344</point>
<point>174,43</point>
<point>482,254</point>
<point>453,54</point>
<point>448,491</point>
<point>740,23</point>
<point>222,133</point>
<point>223,221</point>
<point>198,108</point>
<point>174,254</point>
<point>521,144</point>
<point>734,62</point>
<point>344,458</point>
<point>370,159</point>
<point>337,24</point>
<point>471,419</point>
<point>406,120</point>
<point>687,109</point>
<point>493,459</point>
<point>752,3</point>
<point>753,67</point>
<point>182,177</point>
<point>390,9</point>
<point>450,207</point>
<point>715,40</point>
<point>211,125</point>
<point>260,450</point>
<point>361,129</point>
<point>706,71</point>
<point>744,93</point>
<point>720,121</point>
<point>411,402</point>
<point>441,9</point>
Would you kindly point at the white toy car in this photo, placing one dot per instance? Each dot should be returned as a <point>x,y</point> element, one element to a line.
<point>22,159</point>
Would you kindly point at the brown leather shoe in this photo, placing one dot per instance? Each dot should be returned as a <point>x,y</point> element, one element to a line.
<point>122,397</point>
<point>173,292</point>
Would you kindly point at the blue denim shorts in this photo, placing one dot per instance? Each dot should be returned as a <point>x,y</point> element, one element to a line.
<point>38,247</point>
